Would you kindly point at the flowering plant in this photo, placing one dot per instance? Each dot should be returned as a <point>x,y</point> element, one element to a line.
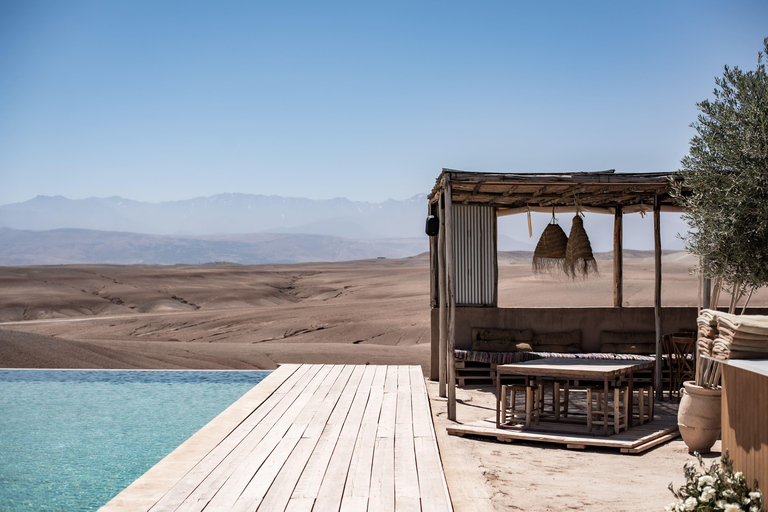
<point>715,489</point>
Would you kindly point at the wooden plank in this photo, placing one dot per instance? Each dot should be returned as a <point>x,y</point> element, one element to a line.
<point>618,258</point>
<point>357,488</point>
<point>406,474</point>
<point>199,485</point>
<point>653,442</point>
<point>450,285</point>
<point>311,479</point>
<point>242,473</point>
<point>389,405</point>
<point>332,487</point>
<point>148,489</point>
<point>323,400</point>
<point>443,314</point>
<point>382,494</point>
<point>420,409</point>
<point>432,486</point>
<point>657,293</point>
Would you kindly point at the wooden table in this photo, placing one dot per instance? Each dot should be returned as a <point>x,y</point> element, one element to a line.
<point>572,369</point>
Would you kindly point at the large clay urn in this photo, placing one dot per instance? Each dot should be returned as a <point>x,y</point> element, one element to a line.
<point>699,416</point>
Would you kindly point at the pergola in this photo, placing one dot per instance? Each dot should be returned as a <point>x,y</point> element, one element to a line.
<point>467,205</point>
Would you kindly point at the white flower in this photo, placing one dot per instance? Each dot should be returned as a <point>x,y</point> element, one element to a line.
<point>720,504</point>
<point>705,480</point>
<point>732,507</point>
<point>690,503</point>
<point>728,493</point>
<point>738,475</point>
<point>754,508</point>
<point>746,500</point>
<point>671,507</point>
<point>756,495</point>
<point>708,494</point>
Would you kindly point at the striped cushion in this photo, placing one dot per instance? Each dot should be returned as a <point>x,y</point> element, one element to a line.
<point>518,357</point>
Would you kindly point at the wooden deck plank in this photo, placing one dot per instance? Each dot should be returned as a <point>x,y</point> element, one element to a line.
<point>420,409</point>
<point>319,437</point>
<point>332,488</point>
<point>267,474</point>
<point>148,489</point>
<point>308,486</point>
<point>243,473</point>
<point>406,474</point>
<point>201,483</point>
<point>357,489</point>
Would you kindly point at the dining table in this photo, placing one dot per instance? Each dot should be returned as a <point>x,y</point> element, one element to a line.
<point>572,369</point>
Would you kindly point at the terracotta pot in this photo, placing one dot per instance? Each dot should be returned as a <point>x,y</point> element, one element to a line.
<point>699,416</point>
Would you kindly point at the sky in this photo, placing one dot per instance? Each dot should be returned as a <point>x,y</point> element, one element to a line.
<point>368,100</point>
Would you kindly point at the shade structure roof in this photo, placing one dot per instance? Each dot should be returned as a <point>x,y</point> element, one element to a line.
<point>600,191</point>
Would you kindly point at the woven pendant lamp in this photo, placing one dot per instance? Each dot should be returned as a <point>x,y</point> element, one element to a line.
<point>579,260</point>
<point>549,255</point>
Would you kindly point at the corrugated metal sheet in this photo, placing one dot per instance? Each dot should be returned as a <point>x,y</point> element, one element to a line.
<point>474,257</point>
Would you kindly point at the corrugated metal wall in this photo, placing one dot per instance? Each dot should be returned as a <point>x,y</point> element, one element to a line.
<point>474,254</point>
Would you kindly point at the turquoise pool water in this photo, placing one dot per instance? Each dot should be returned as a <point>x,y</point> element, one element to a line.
<point>73,439</point>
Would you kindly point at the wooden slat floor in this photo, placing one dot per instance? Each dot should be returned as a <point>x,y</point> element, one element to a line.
<point>307,438</point>
<point>637,439</point>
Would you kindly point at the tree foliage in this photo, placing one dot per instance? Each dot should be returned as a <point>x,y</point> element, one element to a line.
<point>726,174</point>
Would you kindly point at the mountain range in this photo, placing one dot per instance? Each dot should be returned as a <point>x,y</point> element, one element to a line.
<point>253,229</point>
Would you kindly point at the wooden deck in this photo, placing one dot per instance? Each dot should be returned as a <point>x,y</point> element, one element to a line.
<point>308,437</point>
<point>637,439</point>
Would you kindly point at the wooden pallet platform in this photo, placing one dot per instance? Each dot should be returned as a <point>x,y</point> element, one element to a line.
<point>308,437</point>
<point>573,435</point>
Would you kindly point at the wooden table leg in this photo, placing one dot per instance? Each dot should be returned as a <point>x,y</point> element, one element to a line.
<point>605,407</point>
<point>528,402</point>
<point>498,399</point>
<point>630,386</point>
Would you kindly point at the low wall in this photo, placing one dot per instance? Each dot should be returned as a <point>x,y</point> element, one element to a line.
<point>591,321</point>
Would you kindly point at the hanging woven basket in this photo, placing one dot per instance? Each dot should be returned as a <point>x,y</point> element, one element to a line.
<point>549,255</point>
<point>579,260</point>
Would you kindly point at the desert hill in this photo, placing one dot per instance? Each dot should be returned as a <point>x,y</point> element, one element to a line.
<point>237,316</point>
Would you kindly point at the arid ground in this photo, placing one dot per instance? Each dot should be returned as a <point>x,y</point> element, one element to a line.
<point>373,311</point>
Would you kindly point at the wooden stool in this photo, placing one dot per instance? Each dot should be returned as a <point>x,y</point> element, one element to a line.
<point>644,405</point>
<point>617,416</point>
<point>509,401</point>
<point>559,405</point>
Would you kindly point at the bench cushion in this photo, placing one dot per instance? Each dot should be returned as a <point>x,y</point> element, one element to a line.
<point>628,342</point>
<point>565,342</point>
<point>502,340</point>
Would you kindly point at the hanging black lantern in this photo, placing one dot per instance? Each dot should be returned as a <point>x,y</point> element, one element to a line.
<point>433,225</point>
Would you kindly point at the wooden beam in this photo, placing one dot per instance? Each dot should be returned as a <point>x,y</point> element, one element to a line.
<point>657,292</point>
<point>495,243</point>
<point>443,314</point>
<point>434,298</point>
<point>618,259</point>
<point>450,269</point>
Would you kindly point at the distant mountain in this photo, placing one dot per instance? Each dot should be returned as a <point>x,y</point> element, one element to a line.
<point>223,214</point>
<point>80,246</point>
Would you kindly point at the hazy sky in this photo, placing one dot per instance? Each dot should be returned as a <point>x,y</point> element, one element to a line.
<point>162,100</point>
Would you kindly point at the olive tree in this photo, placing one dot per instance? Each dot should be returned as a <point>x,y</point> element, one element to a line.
<point>726,177</point>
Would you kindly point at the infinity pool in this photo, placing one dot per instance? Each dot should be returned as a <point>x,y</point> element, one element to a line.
<point>73,439</point>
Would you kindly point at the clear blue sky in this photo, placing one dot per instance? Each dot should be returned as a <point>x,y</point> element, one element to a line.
<point>163,100</point>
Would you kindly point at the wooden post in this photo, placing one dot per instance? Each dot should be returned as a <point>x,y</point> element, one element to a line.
<point>443,298</point>
<point>434,297</point>
<point>618,258</point>
<point>495,243</point>
<point>450,269</point>
<point>657,292</point>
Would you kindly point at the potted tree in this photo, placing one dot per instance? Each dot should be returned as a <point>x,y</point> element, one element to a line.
<point>725,176</point>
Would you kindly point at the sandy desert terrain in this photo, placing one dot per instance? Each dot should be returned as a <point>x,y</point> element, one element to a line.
<point>231,316</point>
<point>373,311</point>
